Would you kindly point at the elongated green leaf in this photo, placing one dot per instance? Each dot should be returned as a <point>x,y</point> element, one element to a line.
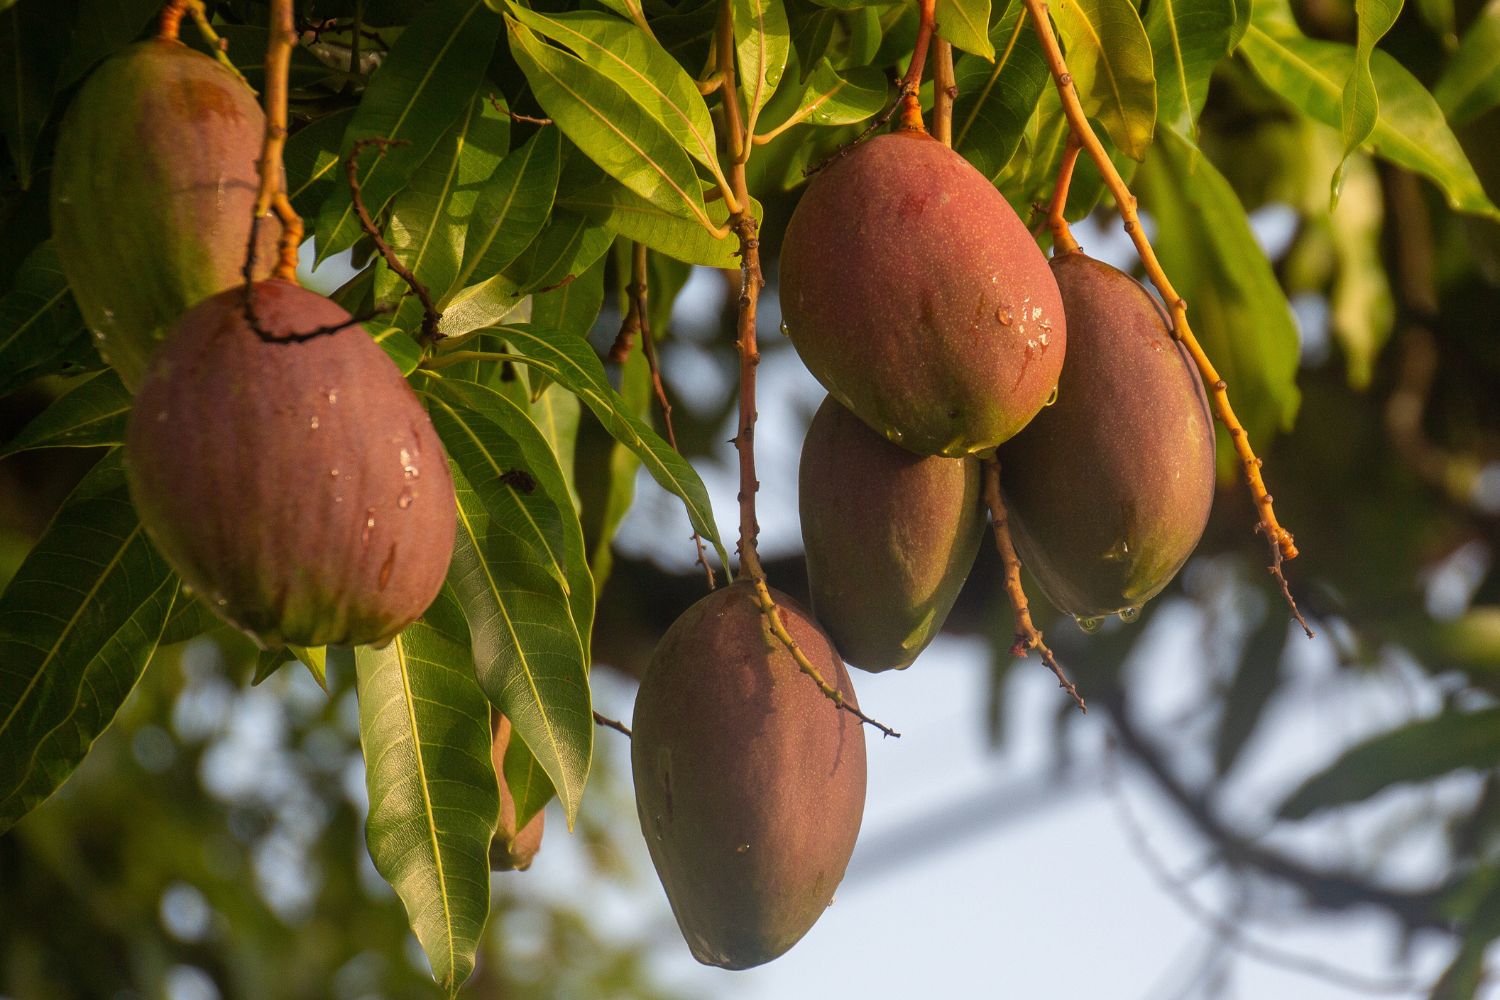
<point>315,659</point>
<point>1470,85</point>
<point>608,470</point>
<point>1236,306</point>
<point>834,98</point>
<point>529,786</point>
<point>425,729</point>
<point>640,66</point>
<point>1109,57</point>
<point>479,306</point>
<point>762,42</point>
<point>1188,38</point>
<point>513,205</point>
<point>504,439</point>
<point>39,321</point>
<point>995,101</point>
<point>573,364</point>
<point>430,218</point>
<point>77,624</point>
<point>1360,104</point>
<point>609,203</point>
<point>33,45</point>
<point>1409,131</point>
<point>572,308</point>
<point>966,24</point>
<point>1417,751</point>
<point>568,246</point>
<point>91,414</point>
<point>610,125</point>
<point>312,160</point>
<point>420,90</point>
<point>528,654</point>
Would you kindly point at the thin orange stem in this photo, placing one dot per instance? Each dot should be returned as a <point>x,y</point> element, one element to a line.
<point>944,92</point>
<point>911,84</point>
<point>1062,236</point>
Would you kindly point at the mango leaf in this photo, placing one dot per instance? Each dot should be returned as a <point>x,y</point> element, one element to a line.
<point>1418,751</point>
<point>638,64</point>
<point>606,484</point>
<point>568,245</point>
<point>33,45</point>
<point>573,364</point>
<point>1235,304</point>
<point>92,413</point>
<point>479,306</point>
<point>430,218</point>
<point>424,726</point>
<point>1409,130</point>
<point>1360,104</point>
<point>1188,39</point>
<point>832,98</point>
<point>1109,57</point>
<point>416,95</point>
<point>78,622</point>
<point>312,160</point>
<point>1256,680</point>
<point>966,24</point>
<point>1474,907</point>
<point>39,322</point>
<point>528,784</point>
<point>189,619</point>
<point>610,125</point>
<point>528,655</point>
<point>762,42</point>
<point>572,308</point>
<point>995,101</point>
<point>1470,84</point>
<point>315,659</point>
<point>513,205</point>
<point>611,204</point>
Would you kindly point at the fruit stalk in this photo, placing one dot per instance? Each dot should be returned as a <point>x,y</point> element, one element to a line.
<point>272,193</point>
<point>911,84</point>
<point>1028,636</point>
<point>1277,537</point>
<point>944,92</point>
<point>1062,236</point>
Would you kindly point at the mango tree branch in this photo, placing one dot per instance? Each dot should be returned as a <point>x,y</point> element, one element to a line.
<point>911,84</point>
<point>1277,537</point>
<point>1028,636</point>
<point>944,92</point>
<point>430,315</point>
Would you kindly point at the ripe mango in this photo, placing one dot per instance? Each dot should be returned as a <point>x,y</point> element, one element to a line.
<point>889,536</point>
<point>750,784</point>
<point>917,297</point>
<point>1109,488</point>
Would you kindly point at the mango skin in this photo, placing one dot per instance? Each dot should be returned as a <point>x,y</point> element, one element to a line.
<point>298,487</point>
<point>750,784</point>
<point>889,537</point>
<point>152,191</point>
<point>917,297</point>
<point>1109,489</point>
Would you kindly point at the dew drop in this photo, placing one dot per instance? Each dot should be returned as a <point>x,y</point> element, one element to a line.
<point>333,473</point>
<point>1089,625</point>
<point>742,849</point>
<point>410,471</point>
<point>364,537</point>
<point>332,395</point>
<point>1003,314</point>
<point>1051,397</point>
<point>404,500</point>
<point>161,416</point>
<point>786,331</point>
<point>1129,615</point>
<point>313,423</point>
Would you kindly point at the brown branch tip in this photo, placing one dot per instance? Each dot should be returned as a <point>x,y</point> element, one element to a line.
<point>1028,636</point>
<point>431,317</point>
<point>608,723</point>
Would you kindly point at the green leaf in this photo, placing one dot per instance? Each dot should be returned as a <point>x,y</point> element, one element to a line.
<point>638,64</point>
<point>573,364</point>
<point>425,729</point>
<point>995,101</point>
<point>92,413</point>
<point>1418,751</point>
<point>572,308</point>
<point>513,205</point>
<point>1235,304</point>
<point>1188,39</point>
<point>430,218</point>
<point>610,125</point>
<point>39,322</point>
<point>33,45</point>
<point>423,87</point>
<point>568,246</point>
<point>315,659</point>
<point>312,160</point>
<point>530,657</point>
<point>607,470</point>
<point>1109,57</point>
<point>479,306</point>
<point>1409,131</point>
<point>529,785</point>
<point>1470,84</point>
<point>966,24</point>
<point>1360,105</point>
<point>762,42</point>
<point>77,624</point>
<point>611,204</point>
<point>831,98</point>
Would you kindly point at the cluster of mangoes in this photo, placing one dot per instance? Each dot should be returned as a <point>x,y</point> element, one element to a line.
<point>295,483</point>
<point>918,298</point>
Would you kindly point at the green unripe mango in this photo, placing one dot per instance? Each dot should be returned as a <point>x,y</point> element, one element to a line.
<point>750,784</point>
<point>153,186</point>
<point>1109,488</point>
<point>917,297</point>
<point>298,487</point>
<point>889,536</point>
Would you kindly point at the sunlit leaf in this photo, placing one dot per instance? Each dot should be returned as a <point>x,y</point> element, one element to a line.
<point>1188,38</point>
<point>996,100</point>
<point>1470,84</point>
<point>512,208</point>
<point>1360,104</point>
<point>611,204</point>
<point>762,42</point>
<point>1109,58</point>
<point>966,24</point>
<point>312,160</point>
<point>568,245</point>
